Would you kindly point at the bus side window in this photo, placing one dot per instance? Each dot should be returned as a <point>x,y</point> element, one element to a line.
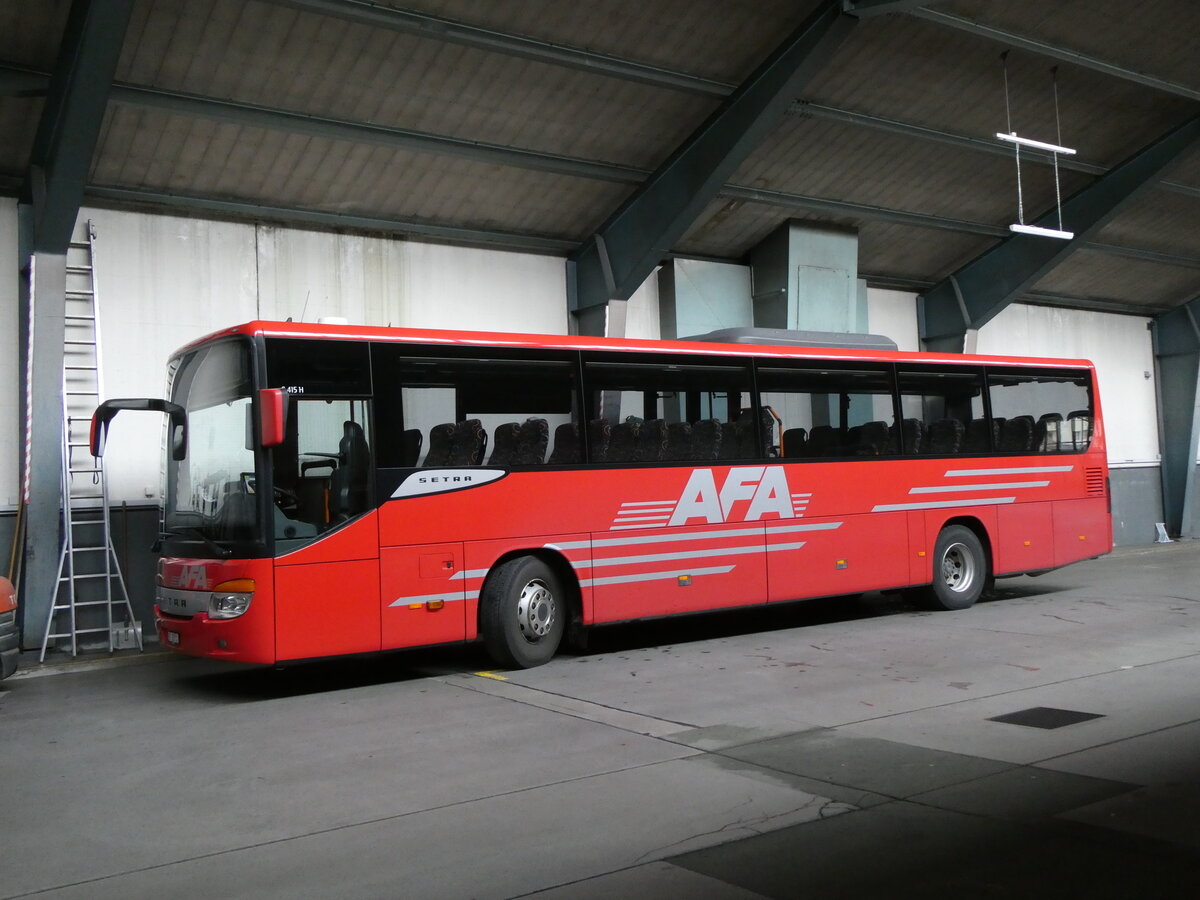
<point>642,410</point>
<point>439,411</point>
<point>943,411</point>
<point>819,410</point>
<point>1041,410</point>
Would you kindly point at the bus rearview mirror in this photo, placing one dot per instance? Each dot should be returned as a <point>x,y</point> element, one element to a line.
<point>107,411</point>
<point>272,411</point>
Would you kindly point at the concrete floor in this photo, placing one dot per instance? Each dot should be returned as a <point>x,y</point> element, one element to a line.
<point>820,750</point>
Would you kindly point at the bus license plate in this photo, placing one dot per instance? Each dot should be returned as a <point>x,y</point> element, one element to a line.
<point>173,637</point>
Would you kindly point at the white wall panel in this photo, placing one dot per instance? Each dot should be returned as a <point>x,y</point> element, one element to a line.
<point>1119,346</point>
<point>10,381</point>
<point>641,312</point>
<point>894,314</point>
<point>162,281</point>
<point>481,290</point>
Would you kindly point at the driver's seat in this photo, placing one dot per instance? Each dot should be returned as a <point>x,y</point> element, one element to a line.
<point>348,483</point>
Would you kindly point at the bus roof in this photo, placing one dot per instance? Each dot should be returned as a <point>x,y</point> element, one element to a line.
<point>326,331</point>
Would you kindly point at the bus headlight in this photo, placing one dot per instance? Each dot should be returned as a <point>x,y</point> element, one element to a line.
<point>230,599</point>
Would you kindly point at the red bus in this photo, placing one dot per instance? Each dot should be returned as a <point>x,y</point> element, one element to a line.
<point>341,489</point>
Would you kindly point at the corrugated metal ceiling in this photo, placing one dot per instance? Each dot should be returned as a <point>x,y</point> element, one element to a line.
<point>902,71</point>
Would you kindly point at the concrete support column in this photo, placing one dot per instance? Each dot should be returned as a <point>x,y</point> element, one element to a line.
<point>1177,356</point>
<point>42,392</point>
<point>805,278</point>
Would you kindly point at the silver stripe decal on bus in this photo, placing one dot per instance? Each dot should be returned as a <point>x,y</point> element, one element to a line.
<point>936,504</point>
<point>665,504</point>
<point>1024,470</point>
<point>654,576</point>
<point>469,573</point>
<point>667,557</point>
<point>751,528</point>
<point>657,518</point>
<point>965,488</point>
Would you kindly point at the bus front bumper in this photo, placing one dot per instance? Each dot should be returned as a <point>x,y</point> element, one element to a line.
<point>213,638</point>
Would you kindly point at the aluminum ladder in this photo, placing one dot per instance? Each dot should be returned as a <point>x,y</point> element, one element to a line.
<point>90,594</point>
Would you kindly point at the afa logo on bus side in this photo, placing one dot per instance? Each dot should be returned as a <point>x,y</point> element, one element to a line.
<point>765,487</point>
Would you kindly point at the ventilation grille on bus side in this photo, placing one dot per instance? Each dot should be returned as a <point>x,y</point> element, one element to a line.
<point>1095,481</point>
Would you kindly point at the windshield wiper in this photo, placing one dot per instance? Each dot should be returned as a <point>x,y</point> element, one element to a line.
<point>193,531</point>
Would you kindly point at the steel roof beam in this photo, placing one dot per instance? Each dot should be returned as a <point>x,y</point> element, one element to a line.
<point>365,133</point>
<point>969,298</point>
<point>1177,359</point>
<point>1062,54</point>
<point>865,9</point>
<point>622,253</point>
<point>70,124</point>
<point>437,28</point>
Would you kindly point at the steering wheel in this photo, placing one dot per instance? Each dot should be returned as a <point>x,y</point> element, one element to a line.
<point>287,501</point>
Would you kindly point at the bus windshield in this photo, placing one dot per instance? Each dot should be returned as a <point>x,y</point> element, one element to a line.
<point>210,493</point>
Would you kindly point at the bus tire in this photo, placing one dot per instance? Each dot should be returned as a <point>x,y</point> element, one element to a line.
<point>523,613</point>
<point>960,569</point>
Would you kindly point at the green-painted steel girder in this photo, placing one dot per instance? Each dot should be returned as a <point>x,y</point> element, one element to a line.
<point>60,162</point>
<point>978,291</point>
<point>621,254</point>
<point>70,124</point>
<point>866,8</point>
<point>1177,357</point>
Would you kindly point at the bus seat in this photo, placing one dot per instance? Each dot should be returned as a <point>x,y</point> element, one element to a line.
<point>823,440</point>
<point>912,432</point>
<point>729,440</point>
<point>532,441</point>
<point>1079,429</point>
<point>566,445</point>
<point>707,437</point>
<point>747,439</point>
<point>873,439</point>
<point>1047,433</point>
<point>945,436</point>
<point>410,446</point>
<point>504,450</point>
<point>623,445</point>
<point>652,441</point>
<point>794,441</point>
<point>679,441</point>
<point>976,439</point>
<point>599,433</point>
<point>1016,434</point>
<point>440,439</point>
<point>469,443</point>
<point>348,483</point>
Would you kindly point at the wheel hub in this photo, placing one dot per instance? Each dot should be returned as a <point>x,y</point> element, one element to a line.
<point>535,610</point>
<point>958,568</point>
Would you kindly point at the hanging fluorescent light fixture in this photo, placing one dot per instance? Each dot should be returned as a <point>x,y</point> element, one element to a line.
<point>1013,138</point>
<point>1056,150</point>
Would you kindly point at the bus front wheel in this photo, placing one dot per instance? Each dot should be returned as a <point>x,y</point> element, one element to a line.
<point>523,615</point>
<point>960,569</point>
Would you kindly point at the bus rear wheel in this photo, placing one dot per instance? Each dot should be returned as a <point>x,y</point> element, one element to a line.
<point>960,569</point>
<point>523,614</point>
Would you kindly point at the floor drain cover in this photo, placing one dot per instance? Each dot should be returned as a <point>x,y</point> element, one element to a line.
<point>1045,717</point>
